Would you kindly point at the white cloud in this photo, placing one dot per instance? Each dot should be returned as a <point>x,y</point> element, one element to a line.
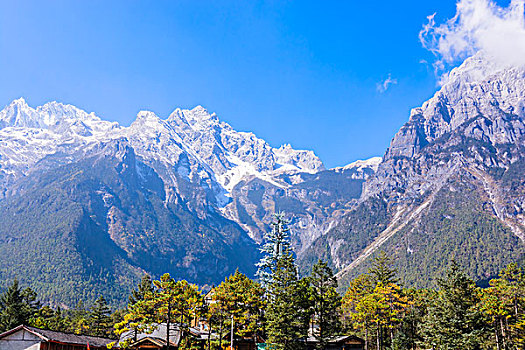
<point>385,84</point>
<point>479,25</point>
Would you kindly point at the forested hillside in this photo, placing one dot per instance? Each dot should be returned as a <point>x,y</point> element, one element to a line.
<point>286,311</point>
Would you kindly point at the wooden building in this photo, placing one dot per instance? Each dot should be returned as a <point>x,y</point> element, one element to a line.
<point>31,338</point>
<point>343,342</point>
<point>241,343</point>
<point>151,343</point>
<point>156,339</point>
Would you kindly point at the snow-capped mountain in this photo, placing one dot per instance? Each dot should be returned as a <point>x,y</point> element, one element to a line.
<point>478,87</point>
<point>361,169</point>
<point>186,194</point>
<point>208,176</point>
<point>156,196</point>
<point>192,144</point>
<point>190,195</point>
<point>451,184</point>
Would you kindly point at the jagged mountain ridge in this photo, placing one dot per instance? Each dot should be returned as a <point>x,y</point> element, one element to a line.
<point>193,152</point>
<point>186,193</point>
<point>189,147</point>
<point>209,145</point>
<point>459,156</point>
<point>451,184</point>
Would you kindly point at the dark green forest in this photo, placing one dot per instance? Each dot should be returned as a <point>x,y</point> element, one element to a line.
<point>284,308</point>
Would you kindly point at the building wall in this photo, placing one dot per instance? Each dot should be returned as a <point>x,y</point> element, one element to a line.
<point>56,346</point>
<point>21,340</point>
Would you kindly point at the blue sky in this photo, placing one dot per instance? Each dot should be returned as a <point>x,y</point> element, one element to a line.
<point>298,72</point>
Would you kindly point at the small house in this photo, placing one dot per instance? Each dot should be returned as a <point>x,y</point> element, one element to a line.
<point>156,339</point>
<point>343,342</point>
<point>31,338</point>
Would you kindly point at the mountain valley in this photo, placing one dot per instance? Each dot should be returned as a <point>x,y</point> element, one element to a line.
<point>88,203</point>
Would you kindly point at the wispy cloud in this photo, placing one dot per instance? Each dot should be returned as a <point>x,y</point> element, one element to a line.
<point>479,25</point>
<point>385,84</point>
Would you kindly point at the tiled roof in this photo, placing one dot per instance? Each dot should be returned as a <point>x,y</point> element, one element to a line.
<point>61,337</point>
<point>158,332</point>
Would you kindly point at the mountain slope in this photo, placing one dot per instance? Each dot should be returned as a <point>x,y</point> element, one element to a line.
<point>186,195</point>
<point>96,204</point>
<point>451,184</point>
<point>100,223</point>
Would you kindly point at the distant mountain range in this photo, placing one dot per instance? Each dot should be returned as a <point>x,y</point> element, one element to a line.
<point>87,206</point>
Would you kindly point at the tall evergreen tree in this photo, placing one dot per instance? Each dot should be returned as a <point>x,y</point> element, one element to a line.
<point>238,299</point>
<point>145,287</point>
<point>288,308</point>
<point>454,320</point>
<point>503,303</point>
<point>382,269</point>
<point>356,308</point>
<point>326,303</point>
<point>173,302</point>
<point>79,319</point>
<point>47,318</point>
<point>138,312</point>
<point>512,285</point>
<point>100,318</point>
<point>377,306</point>
<point>277,245</point>
<point>408,334</point>
<point>17,306</point>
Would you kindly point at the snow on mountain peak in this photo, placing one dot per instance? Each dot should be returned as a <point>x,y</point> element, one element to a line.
<point>361,169</point>
<point>473,70</point>
<point>372,163</point>
<point>19,114</point>
<point>198,118</point>
<point>147,117</point>
<point>480,86</point>
<point>193,144</point>
<point>489,97</point>
<point>61,118</point>
<point>20,101</point>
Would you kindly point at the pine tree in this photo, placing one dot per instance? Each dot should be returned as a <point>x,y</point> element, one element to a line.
<point>512,281</point>
<point>99,318</point>
<point>408,334</point>
<point>47,318</point>
<point>138,313</point>
<point>288,308</point>
<point>79,322</point>
<point>377,306</point>
<point>382,270</point>
<point>357,313</point>
<point>138,317</point>
<point>326,303</point>
<point>390,305</point>
<point>17,306</point>
<point>238,299</point>
<point>503,303</point>
<point>277,245</point>
<point>145,287</point>
<point>454,320</point>
<point>173,302</point>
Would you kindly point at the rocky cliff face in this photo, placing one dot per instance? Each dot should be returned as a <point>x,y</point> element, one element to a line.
<point>476,120</point>
<point>460,146</point>
<point>477,92</point>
